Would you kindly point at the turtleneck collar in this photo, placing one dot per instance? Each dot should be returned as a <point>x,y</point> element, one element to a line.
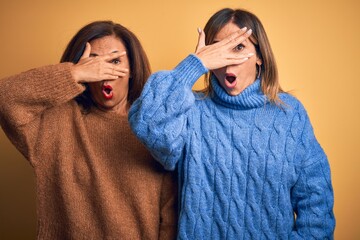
<point>251,97</point>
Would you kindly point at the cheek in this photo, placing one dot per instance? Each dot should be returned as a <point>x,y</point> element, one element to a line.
<point>93,87</point>
<point>250,65</point>
<point>219,73</point>
<point>125,64</point>
<point>120,85</point>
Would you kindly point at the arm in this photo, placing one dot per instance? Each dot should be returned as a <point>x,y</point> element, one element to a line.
<point>159,117</point>
<point>169,207</point>
<point>312,196</point>
<point>24,97</point>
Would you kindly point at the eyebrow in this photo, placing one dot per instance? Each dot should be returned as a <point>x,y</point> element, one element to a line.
<point>95,54</point>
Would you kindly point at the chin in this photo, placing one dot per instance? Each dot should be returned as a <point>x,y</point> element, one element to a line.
<point>108,107</point>
<point>105,106</point>
<point>233,92</point>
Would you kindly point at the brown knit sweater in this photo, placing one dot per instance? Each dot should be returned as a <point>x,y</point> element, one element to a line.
<point>94,179</point>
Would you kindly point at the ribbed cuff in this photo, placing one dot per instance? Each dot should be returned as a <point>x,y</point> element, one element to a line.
<point>190,70</point>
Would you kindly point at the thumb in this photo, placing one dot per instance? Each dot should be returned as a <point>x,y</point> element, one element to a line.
<point>201,40</point>
<point>87,51</point>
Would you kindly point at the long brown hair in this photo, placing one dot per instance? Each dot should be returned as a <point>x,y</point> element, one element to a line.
<point>269,75</point>
<point>138,61</point>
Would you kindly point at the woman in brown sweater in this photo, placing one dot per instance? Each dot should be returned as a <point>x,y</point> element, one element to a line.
<point>94,179</point>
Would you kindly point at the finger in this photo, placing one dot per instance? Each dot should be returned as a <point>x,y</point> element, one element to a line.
<point>241,55</point>
<point>239,39</point>
<point>122,56</point>
<point>121,70</point>
<point>108,67</point>
<point>120,74</point>
<point>87,51</point>
<point>110,77</point>
<point>113,76</point>
<point>201,40</point>
<point>237,61</point>
<point>230,38</point>
<point>116,70</point>
<point>111,56</point>
<point>239,58</point>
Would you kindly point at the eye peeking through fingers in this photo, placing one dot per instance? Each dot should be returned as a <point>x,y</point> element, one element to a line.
<point>239,47</point>
<point>115,61</point>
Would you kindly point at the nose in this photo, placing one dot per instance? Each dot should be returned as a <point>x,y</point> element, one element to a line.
<point>230,68</point>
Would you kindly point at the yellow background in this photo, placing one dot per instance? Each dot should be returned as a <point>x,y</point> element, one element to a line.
<point>316,44</point>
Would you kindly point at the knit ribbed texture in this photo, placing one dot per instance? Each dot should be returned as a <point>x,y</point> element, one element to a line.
<point>94,179</point>
<point>251,97</point>
<point>245,165</point>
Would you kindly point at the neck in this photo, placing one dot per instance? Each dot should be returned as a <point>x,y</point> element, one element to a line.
<point>250,97</point>
<point>122,108</point>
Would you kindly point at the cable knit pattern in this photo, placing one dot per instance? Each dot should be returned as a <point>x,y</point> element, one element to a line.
<point>248,169</point>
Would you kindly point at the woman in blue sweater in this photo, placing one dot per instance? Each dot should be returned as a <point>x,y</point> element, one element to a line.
<point>249,164</point>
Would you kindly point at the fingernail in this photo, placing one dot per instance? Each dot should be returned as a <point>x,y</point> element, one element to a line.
<point>199,30</point>
<point>249,32</point>
<point>251,54</point>
<point>243,29</point>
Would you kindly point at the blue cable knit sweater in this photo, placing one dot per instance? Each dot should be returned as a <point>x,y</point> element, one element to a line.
<point>248,169</point>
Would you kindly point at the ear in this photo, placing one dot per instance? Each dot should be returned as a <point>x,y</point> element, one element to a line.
<point>258,61</point>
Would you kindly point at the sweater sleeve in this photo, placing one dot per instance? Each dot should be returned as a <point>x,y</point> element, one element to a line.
<point>312,196</point>
<point>25,96</point>
<point>159,116</point>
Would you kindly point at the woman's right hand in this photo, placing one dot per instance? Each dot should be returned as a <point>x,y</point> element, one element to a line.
<point>98,68</point>
<point>221,54</point>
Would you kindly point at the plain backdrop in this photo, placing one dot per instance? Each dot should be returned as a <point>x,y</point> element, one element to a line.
<point>315,42</point>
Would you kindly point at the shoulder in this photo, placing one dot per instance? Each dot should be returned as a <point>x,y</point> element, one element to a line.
<point>292,104</point>
<point>200,95</point>
<point>295,112</point>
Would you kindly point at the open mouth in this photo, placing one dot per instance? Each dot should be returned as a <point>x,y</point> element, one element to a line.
<point>107,91</point>
<point>230,80</point>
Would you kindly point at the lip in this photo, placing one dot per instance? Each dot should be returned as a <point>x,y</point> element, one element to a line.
<point>107,91</point>
<point>230,80</point>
